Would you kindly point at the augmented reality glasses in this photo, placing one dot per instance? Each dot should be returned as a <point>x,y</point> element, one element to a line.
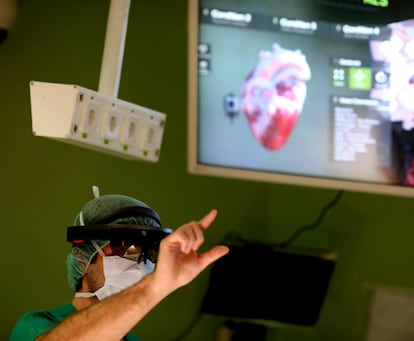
<point>132,241</point>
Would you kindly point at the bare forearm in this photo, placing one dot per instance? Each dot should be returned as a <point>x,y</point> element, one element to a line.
<point>112,318</point>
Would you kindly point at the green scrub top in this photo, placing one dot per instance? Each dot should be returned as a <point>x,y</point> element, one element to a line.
<point>34,323</point>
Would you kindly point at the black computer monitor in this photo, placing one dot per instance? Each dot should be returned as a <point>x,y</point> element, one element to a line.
<point>264,284</point>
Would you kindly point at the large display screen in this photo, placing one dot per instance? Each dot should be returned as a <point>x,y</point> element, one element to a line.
<point>305,92</point>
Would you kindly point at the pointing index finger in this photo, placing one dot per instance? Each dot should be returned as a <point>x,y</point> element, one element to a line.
<point>208,219</point>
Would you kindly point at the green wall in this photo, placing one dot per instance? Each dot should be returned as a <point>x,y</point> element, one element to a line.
<point>45,183</point>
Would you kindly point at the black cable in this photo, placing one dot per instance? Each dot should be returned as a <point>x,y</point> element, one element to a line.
<point>315,224</point>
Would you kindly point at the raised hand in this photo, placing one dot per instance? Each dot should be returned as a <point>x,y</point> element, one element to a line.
<point>178,261</point>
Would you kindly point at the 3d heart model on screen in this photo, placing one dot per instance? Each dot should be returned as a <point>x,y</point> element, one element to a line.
<point>273,95</point>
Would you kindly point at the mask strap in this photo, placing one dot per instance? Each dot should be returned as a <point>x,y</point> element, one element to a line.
<point>84,294</point>
<point>90,294</point>
<point>97,247</point>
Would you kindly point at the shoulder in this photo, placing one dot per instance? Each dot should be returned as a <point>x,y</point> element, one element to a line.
<point>34,323</point>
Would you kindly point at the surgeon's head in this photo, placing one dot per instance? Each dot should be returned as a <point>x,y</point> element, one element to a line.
<point>98,260</point>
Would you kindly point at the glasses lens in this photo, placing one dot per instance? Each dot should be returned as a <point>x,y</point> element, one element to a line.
<point>131,251</point>
<point>152,255</point>
<point>134,252</point>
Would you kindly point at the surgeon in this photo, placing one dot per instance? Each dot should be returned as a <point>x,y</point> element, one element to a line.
<point>114,287</point>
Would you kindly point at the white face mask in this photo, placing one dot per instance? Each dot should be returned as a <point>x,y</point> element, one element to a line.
<point>120,273</point>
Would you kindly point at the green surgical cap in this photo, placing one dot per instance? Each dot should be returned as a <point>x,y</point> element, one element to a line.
<point>81,255</point>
